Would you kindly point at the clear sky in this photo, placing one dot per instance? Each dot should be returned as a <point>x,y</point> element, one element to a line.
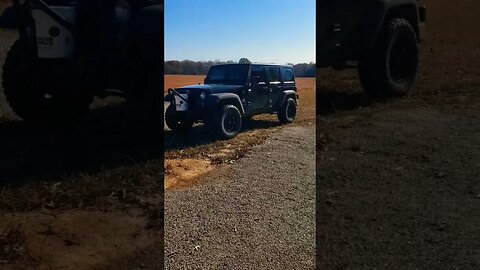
<point>268,31</point>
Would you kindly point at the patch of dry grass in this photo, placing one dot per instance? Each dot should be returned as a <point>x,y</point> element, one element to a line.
<point>12,240</point>
<point>138,185</point>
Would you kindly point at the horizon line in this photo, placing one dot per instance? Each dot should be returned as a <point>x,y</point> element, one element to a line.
<point>253,62</point>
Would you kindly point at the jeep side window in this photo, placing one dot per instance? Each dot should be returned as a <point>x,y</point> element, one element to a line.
<point>274,73</point>
<point>260,73</point>
<point>217,74</point>
<point>287,75</point>
<point>230,74</point>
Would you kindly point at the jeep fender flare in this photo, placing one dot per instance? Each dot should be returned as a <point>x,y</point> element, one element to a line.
<point>215,100</point>
<point>287,94</point>
<point>383,10</point>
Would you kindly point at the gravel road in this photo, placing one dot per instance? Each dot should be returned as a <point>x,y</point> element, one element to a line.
<point>257,214</point>
<point>398,185</point>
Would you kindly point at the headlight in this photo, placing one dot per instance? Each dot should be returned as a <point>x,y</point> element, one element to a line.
<point>203,96</point>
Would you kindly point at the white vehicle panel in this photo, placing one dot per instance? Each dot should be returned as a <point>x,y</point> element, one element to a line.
<point>60,46</point>
<point>180,104</point>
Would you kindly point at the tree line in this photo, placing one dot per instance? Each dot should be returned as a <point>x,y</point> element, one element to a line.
<point>188,67</point>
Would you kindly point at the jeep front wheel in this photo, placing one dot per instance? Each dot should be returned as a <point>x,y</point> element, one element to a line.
<point>176,121</point>
<point>40,96</point>
<point>389,69</point>
<point>228,122</point>
<point>288,111</point>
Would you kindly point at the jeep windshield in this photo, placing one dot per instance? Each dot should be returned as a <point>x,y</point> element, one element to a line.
<point>227,74</point>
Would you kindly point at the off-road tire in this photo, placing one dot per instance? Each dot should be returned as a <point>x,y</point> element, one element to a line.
<point>390,68</point>
<point>227,122</point>
<point>27,92</point>
<point>288,112</point>
<point>176,122</point>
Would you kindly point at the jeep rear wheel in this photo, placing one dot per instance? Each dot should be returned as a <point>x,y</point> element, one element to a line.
<point>227,122</point>
<point>389,69</point>
<point>177,122</point>
<point>39,97</point>
<point>288,111</point>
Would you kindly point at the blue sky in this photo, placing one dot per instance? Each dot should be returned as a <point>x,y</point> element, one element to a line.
<point>268,31</point>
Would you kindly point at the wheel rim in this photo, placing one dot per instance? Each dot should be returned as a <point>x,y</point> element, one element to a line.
<point>38,94</point>
<point>181,123</point>
<point>230,122</point>
<point>46,96</point>
<point>291,111</point>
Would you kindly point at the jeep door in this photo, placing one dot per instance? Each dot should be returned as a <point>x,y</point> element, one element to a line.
<point>274,85</point>
<point>257,96</point>
<point>288,82</point>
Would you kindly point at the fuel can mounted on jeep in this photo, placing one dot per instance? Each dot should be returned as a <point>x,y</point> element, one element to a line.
<point>379,37</point>
<point>231,94</point>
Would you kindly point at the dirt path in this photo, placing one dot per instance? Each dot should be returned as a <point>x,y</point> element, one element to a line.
<point>398,185</point>
<point>399,182</point>
<point>257,214</point>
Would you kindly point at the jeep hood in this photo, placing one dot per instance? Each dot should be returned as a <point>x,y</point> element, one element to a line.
<point>211,88</point>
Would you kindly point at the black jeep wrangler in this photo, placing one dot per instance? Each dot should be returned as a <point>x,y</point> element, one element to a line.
<point>379,37</point>
<point>233,93</point>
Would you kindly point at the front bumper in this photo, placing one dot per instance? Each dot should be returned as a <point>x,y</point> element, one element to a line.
<point>190,104</point>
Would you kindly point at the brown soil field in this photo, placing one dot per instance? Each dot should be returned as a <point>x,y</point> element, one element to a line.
<point>197,147</point>
<point>397,180</point>
<point>174,81</point>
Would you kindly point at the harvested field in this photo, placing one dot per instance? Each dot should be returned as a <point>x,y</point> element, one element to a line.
<point>397,180</point>
<point>174,81</point>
